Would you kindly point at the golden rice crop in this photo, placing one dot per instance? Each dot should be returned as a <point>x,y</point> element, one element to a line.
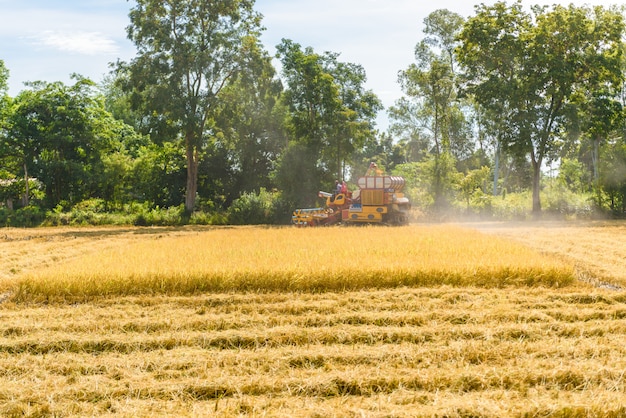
<point>291,259</point>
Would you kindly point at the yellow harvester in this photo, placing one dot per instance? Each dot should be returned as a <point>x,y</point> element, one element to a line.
<point>378,200</point>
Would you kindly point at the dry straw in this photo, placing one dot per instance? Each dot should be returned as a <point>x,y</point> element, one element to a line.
<point>290,259</point>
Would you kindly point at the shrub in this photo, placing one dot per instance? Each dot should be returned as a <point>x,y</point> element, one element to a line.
<point>562,201</point>
<point>512,206</point>
<point>24,217</point>
<point>258,208</point>
<point>208,218</point>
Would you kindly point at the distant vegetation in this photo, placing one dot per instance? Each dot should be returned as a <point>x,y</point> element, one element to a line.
<point>509,114</point>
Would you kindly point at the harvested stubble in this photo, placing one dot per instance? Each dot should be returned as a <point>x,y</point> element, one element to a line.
<point>597,248</point>
<point>398,352</point>
<point>289,259</point>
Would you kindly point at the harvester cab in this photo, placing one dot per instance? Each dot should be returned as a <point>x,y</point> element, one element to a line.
<point>378,200</point>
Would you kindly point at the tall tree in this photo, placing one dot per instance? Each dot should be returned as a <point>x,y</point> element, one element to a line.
<point>188,51</point>
<point>431,106</point>
<point>4,102</point>
<point>525,66</point>
<point>354,123</point>
<point>250,121</point>
<point>4,77</point>
<point>330,115</point>
<point>442,27</point>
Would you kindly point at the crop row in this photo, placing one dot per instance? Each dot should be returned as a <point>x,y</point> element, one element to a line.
<point>395,352</point>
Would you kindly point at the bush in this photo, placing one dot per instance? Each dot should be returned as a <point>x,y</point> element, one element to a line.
<point>259,208</point>
<point>562,201</point>
<point>208,218</point>
<point>512,206</point>
<point>23,217</point>
<point>146,216</point>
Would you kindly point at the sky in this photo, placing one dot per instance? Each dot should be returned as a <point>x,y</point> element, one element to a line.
<point>49,40</point>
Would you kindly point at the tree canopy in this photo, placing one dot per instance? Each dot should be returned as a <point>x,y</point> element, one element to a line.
<point>203,125</point>
<point>187,53</point>
<point>526,67</point>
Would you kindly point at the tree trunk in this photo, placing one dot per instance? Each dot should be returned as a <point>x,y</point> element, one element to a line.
<point>496,169</point>
<point>595,159</point>
<point>25,198</point>
<point>192,174</point>
<point>536,188</point>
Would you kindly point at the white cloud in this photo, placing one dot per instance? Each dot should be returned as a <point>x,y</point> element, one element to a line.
<point>79,42</point>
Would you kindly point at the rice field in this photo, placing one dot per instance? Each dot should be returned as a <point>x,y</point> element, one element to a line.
<point>427,321</point>
<point>596,249</point>
<point>295,259</point>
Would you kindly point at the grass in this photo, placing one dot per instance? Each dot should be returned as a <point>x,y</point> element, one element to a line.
<point>291,259</point>
<point>519,344</point>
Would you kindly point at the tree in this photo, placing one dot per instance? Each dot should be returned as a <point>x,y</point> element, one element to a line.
<point>430,81</point>
<point>612,176</point>
<point>58,134</point>
<point>442,28</point>
<point>330,116</point>
<point>354,123</point>
<point>5,101</point>
<point>249,120</point>
<point>4,97</point>
<point>188,52</point>
<point>526,67</point>
<point>431,107</point>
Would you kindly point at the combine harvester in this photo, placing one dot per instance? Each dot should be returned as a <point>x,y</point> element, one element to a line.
<point>379,200</point>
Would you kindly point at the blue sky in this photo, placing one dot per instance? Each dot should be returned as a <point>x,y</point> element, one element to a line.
<point>50,39</point>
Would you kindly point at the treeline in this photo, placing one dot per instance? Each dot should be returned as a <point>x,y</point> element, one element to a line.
<point>509,113</point>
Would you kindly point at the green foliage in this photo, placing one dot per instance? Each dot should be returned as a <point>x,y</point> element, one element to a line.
<point>438,176</point>
<point>24,217</point>
<point>473,186</point>
<point>157,174</point>
<point>564,203</point>
<point>208,218</point>
<point>612,178</point>
<point>430,111</point>
<point>58,134</point>
<point>250,134</point>
<point>559,201</point>
<point>264,207</point>
<point>526,67</point>
<point>96,212</point>
<point>512,206</point>
<point>4,77</point>
<point>13,189</point>
<point>298,176</point>
<point>574,175</point>
<point>188,52</point>
<point>330,114</point>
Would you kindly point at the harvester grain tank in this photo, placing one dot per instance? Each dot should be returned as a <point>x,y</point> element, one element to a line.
<point>378,200</point>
